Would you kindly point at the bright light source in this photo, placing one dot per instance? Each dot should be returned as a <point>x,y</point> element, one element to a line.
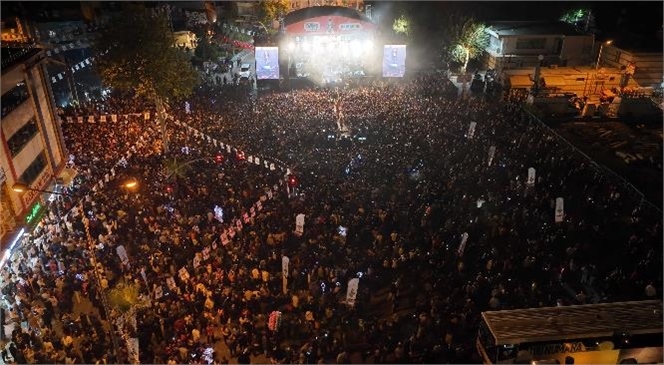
<point>368,45</point>
<point>20,188</point>
<point>318,47</point>
<point>355,48</point>
<point>291,46</point>
<point>306,47</point>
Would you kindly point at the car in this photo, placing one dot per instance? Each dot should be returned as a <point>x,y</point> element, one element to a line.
<point>245,70</point>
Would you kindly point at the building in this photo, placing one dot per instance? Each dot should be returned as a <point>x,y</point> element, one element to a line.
<point>33,150</point>
<point>645,58</point>
<point>517,44</point>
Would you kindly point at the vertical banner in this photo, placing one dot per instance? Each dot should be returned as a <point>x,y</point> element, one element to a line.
<point>531,177</point>
<point>299,224</point>
<point>492,154</point>
<point>284,273</point>
<point>132,344</point>
<point>462,246</point>
<point>351,294</point>
<point>560,210</point>
<point>471,130</point>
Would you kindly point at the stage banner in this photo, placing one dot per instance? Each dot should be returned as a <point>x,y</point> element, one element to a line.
<point>351,294</point>
<point>492,154</point>
<point>471,130</point>
<point>462,246</point>
<point>531,177</point>
<point>560,210</point>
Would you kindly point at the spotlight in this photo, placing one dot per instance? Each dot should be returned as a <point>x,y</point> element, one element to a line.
<point>291,46</point>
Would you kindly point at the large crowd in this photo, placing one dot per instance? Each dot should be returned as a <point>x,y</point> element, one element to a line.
<point>387,201</point>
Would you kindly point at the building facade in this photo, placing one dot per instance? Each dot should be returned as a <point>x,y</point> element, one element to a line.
<point>518,44</point>
<point>33,150</point>
<point>647,64</point>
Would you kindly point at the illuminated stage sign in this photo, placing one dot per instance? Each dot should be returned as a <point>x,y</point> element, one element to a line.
<point>30,195</point>
<point>350,26</point>
<point>329,25</point>
<point>311,27</point>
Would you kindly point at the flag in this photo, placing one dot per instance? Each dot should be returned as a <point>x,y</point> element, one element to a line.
<point>351,294</point>
<point>284,273</point>
<point>560,210</point>
<point>531,177</point>
<point>299,224</point>
<point>462,246</point>
<point>492,154</point>
<point>471,130</point>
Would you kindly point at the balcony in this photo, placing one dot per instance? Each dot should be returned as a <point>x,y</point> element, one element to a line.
<point>14,98</point>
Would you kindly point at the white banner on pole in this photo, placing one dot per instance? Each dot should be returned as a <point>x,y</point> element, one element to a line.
<point>560,210</point>
<point>299,224</point>
<point>284,273</point>
<point>351,294</point>
<point>471,130</point>
<point>531,177</point>
<point>492,154</point>
<point>462,246</point>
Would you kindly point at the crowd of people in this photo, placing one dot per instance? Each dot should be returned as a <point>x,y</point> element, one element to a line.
<point>389,202</point>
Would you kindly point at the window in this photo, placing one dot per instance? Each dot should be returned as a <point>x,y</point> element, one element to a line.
<point>617,59</point>
<point>530,43</point>
<point>24,135</point>
<point>14,97</point>
<point>34,170</point>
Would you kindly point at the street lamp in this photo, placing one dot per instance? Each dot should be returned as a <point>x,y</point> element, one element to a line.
<point>599,55</point>
<point>22,188</point>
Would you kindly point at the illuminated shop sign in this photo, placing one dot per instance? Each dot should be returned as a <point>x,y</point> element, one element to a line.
<point>34,213</point>
<point>350,26</point>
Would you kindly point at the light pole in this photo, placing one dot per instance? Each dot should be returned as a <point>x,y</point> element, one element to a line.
<point>599,55</point>
<point>21,188</point>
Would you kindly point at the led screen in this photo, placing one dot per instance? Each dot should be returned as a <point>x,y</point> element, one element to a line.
<point>394,60</point>
<point>267,63</point>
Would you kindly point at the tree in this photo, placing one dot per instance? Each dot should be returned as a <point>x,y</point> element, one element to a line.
<point>205,50</point>
<point>465,39</point>
<point>581,18</point>
<point>271,10</point>
<point>401,25</point>
<point>137,53</point>
<point>123,296</point>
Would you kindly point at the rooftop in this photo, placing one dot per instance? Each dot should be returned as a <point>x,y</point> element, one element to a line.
<point>577,321</point>
<point>13,53</point>
<point>515,28</point>
<point>316,11</point>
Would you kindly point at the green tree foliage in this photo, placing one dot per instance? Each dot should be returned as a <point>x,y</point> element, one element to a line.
<point>123,296</point>
<point>582,18</point>
<point>464,39</point>
<point>271,10</point>
<point>137,54</point>
<point>206,51</point>
<point>402,25</point>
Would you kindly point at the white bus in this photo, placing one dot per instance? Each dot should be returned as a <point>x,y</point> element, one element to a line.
<point>608,333</point>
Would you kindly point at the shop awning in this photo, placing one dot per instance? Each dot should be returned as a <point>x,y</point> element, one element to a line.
<point>520,82</point>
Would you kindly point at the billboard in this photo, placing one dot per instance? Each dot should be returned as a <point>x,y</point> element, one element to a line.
<point>394,60</point>
<point>329,25</point>
<point>267,63</point>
